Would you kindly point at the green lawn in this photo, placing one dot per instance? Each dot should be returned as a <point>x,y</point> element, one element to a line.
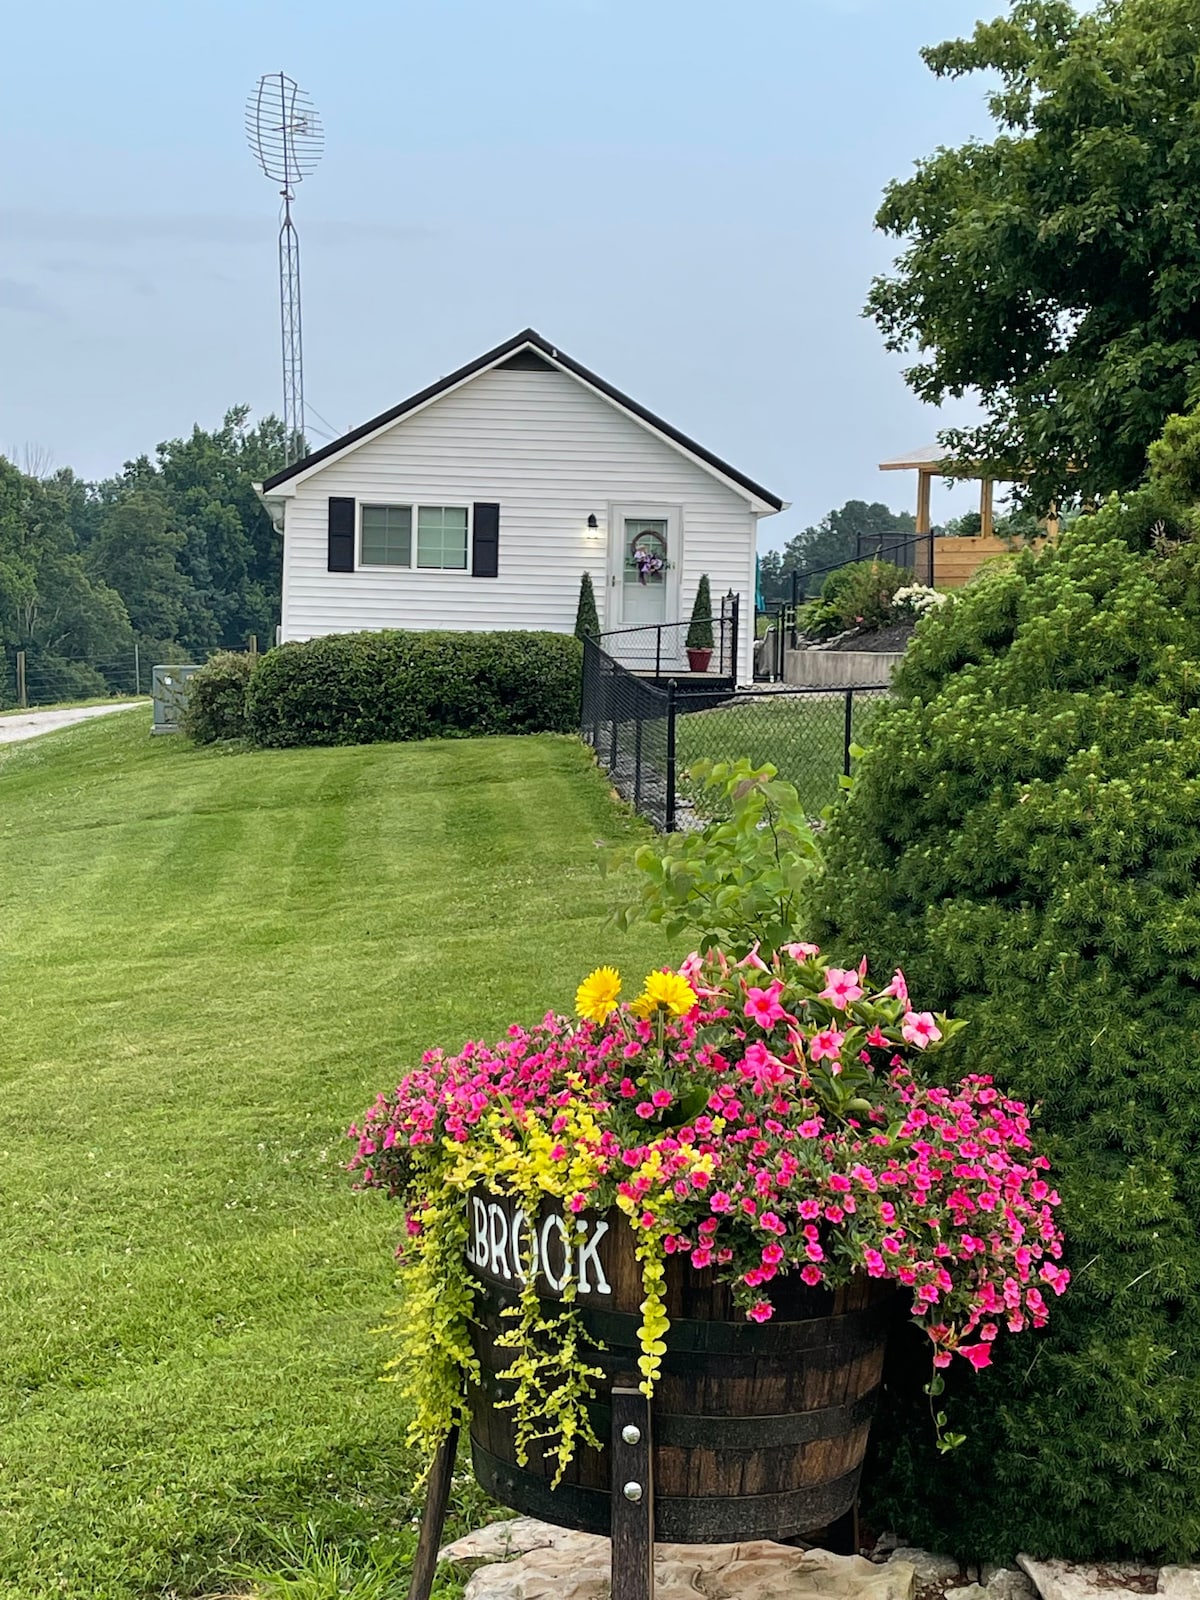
<point>209,963</point>
<point>803,735</point>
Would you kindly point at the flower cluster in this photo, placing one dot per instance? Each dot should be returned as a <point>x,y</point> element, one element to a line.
<point>648,562</point>
<point>918,598</point>
<point>755,1120</point>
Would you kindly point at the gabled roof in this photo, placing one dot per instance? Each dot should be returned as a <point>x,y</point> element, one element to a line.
<point>544,354</point>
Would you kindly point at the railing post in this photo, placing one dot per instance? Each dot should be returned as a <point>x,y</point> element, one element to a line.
<point>637,761</point>
<point>658,651</point>
<point>669,814</point>
<point>733,636</point>
<point>848,731</point>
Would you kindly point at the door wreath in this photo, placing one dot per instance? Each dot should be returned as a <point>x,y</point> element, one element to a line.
<point>648,553</point>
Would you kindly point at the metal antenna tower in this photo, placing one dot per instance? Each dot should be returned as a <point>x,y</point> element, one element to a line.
<point>285,134</point>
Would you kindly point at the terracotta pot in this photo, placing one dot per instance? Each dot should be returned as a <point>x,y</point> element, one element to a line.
<point>698,659</point>
<point>759,1430</point>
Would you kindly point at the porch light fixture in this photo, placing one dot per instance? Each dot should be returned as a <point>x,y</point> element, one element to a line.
<point>593,526</point>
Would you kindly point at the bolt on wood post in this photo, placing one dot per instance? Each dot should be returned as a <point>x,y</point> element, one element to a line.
<point>632,1497</point>
<point>22,696</point>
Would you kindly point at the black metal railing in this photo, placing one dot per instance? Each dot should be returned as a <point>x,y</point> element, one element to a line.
<point>659,649</point>
<point>912,551</point>
<point>648,736</point>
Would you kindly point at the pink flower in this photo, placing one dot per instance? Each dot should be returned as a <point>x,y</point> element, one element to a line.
<point>979,1355</point>
<point>644,1109</point>
<point>762,1005</point>
<point>841,987</point>
<point>761,1311</point>
<point>827,1043</point>
<point>898,988</point>
<point>810,1129</point>
<point>661,1098</point>
<point>811,1274</point>
<point>772,1255</point>
<point>720,1201</point>
<point>753,959</point>
<point>920,1029</point>
<point>801,951</point>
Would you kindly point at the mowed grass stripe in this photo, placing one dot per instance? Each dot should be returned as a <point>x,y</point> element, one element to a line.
<point>209,962</point>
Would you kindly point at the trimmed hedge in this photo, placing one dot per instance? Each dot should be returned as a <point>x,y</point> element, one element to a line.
<point>1023,838</point>
<point>216,698</point>
<point>363,688</point>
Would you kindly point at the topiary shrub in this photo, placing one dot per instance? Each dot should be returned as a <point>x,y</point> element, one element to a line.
<point>700,628</point>
<point>216,698</point>
<point>1023,838</point>
<point>587,621</point>
<point>359,688</point>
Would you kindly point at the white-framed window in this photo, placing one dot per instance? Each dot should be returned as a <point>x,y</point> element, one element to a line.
<point>442,543</point>
<point>442,535</point>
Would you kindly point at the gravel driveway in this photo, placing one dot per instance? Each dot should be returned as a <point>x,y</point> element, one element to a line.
<point>28,724</point>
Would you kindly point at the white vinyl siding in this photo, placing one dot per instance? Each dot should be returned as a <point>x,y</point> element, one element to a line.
<point>550,452</point>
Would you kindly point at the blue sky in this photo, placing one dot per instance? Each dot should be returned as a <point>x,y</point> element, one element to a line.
<point>679,194</point>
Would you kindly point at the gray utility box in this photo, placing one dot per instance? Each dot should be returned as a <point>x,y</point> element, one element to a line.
<point>169,688</point>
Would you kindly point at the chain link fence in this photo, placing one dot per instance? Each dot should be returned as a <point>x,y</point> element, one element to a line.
<point>647,737</point>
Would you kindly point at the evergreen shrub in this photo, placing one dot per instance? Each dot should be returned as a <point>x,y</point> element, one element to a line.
<point>216,698</point>
<point>1023,838</point>
<point>587,621</point>
<point>360,688</point>
<point>700,628</point>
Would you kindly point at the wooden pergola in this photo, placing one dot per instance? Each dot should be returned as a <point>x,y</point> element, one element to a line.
<point>951,561</point>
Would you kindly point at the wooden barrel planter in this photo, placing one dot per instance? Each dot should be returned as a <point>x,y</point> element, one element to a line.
<point>759,1430</point>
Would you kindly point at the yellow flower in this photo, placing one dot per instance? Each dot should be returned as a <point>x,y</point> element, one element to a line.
<point>666,991</point>
<point>597,995</point>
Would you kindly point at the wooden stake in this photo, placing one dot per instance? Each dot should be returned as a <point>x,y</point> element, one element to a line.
<point>632,1497</point>
<point>433,1518</point>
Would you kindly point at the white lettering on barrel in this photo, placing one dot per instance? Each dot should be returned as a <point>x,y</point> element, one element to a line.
<point>498,1238</point>
<point>520,1223</point>
<point>507,1245</point>
<point>477,1253</point>
<point>556,1222</point>
<point>587,1252</point>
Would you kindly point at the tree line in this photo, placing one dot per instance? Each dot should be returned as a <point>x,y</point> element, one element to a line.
<point>174,556</point>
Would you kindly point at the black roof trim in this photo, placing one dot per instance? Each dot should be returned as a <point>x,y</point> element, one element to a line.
<point>531,338</point>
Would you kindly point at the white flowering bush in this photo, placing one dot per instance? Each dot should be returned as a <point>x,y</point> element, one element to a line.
<point>918,598</point>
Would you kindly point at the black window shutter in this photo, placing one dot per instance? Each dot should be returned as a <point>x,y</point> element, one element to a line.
<point>485,558</point>
<point>341,534</point>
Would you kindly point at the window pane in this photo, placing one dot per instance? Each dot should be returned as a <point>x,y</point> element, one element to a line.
<point>442,537</point>
<point>386,536</point>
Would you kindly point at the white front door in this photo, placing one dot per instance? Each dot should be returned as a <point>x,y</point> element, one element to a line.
<point>643,582</point>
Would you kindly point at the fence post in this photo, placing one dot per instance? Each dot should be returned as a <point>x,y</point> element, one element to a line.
<point>254,647</point>
<point>733,636</point>
<point>22,697</point>
<point>137,669</point>
<point>669,815</point>
<point>637,761</point>
<point>658,651</point>
<point>848,731</point>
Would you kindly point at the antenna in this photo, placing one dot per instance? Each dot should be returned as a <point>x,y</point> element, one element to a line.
<point>285,134</point>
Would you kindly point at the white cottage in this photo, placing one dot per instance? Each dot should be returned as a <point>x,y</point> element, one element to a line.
<point>480,502</point>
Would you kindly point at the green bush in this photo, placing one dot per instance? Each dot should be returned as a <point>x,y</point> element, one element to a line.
<point>1024,840</point>
<point>359,688</point>
<point>740,881</point>
<point>216,698</point>
<point>859,595</point>
<point>587,622</point>
<point>700,628</point>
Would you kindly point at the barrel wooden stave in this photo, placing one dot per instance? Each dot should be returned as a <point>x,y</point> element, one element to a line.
<point>759,1429</point>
